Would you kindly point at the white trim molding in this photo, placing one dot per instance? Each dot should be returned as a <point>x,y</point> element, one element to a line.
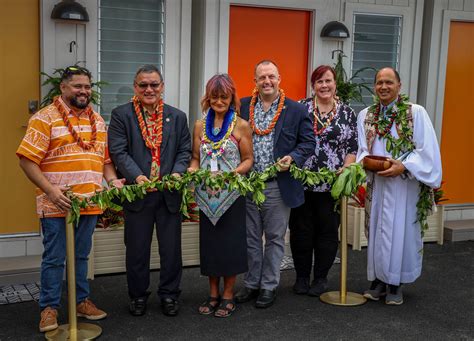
<point>412,17</point>
<point>177,56</point>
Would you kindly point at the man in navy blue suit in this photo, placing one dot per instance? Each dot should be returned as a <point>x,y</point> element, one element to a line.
<point>283,133</point>
<point>149,139</point>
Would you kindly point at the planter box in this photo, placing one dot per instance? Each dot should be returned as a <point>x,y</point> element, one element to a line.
<point>435,232</point>
<point>108,252</point>
<point>355,227</point>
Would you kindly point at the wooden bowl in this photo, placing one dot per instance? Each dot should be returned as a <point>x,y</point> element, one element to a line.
<point>376,163</point>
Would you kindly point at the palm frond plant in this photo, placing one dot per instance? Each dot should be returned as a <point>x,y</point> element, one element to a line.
<point>54,80</point>
<point>347,89</point>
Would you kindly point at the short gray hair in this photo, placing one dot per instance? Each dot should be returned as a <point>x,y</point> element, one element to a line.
<point>148,68</point>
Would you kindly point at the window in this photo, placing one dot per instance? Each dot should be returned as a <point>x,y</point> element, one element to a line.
<point>376,44</point>
<point>131,33</point>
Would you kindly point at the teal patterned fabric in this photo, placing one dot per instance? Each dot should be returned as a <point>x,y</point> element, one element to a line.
<point>215,203</point>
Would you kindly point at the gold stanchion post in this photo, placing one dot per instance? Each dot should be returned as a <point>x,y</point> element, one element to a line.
<point>342,297</point>
<point>72,331</point>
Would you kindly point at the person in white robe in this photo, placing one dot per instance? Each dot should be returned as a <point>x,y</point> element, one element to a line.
<point>394,237</point>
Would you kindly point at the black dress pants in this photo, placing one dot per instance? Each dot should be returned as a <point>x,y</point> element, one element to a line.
<point>139,228</point>
<point>314,230</point>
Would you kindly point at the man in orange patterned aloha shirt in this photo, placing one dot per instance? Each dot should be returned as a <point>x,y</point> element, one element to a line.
<point>64,148</point>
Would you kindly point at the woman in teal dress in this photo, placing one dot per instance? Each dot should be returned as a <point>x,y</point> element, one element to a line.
<point>222,142</point>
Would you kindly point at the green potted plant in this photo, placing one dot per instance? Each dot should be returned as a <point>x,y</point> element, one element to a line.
<point>347,89</point>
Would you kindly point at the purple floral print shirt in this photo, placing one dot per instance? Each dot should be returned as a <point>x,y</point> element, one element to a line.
<point>334,143</point>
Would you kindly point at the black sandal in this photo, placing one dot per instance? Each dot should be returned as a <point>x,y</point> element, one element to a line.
<point>209,305</point>
<point>223,306</point>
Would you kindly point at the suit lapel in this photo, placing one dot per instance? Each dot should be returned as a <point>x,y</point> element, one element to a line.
<point>279,124</point>
<point>166,128</point>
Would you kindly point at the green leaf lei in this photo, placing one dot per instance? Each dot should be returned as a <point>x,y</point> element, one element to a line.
<point>399,112</point>
<point>344,184</point>
<point>403,144</point>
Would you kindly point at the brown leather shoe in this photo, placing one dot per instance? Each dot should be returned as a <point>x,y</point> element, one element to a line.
<point>88,310</point>
<point>49,320</point>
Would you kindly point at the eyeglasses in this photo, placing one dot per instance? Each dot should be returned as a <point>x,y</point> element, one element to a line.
<point>144,86</point>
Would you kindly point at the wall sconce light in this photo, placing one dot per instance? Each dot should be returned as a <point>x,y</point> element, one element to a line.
<point>335,29</point>
<point>69,10</point>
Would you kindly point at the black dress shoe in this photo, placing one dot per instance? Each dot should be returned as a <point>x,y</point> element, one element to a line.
<point>318,287</point>
<point>301,286</point>
<point>169,306</point>
<point>245,294</point>
<point>137,306</point>
<point>266,298</point>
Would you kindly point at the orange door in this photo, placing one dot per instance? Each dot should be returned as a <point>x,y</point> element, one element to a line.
<point>266,33</point>
<point>19,83</point>
<point>457,137</point>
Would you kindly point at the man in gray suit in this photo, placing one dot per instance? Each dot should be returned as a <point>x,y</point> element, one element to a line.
<point>149,139</point>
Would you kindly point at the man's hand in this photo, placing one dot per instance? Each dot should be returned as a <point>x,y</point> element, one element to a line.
<point>284,163</point>
<point>395,169</point>
<point>176,175</point>
<point>117,183</point>
<point>57,197</point>
<point>141,179</point>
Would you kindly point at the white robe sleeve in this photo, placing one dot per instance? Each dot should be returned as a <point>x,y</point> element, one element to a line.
<point>363,150</point>
<point>424,163</point>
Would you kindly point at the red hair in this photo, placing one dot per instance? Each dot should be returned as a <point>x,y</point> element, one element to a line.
<point>220,84</point>
<point>320,71</point>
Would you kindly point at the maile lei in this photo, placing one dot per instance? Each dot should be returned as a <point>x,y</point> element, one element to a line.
<point>217,141</point>
<point>272,124</point>
<point>65,116</point>
<point>400,114</point>
<point>253,184</point>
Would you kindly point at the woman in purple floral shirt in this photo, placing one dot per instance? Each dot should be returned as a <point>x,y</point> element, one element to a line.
<point>314,225</point>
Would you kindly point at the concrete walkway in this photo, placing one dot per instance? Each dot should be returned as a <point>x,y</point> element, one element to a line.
<point>439,306</point>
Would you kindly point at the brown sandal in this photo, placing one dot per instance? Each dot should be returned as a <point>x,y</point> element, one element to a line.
<point>211,304</point>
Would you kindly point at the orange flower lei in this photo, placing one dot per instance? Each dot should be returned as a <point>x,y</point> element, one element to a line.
<point>272,124</point>
<point>141,122</point>
<point>88,111</point>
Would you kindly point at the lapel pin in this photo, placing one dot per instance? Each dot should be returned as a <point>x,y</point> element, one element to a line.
<point>167,119</point>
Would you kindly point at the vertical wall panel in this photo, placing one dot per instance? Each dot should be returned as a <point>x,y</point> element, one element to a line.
<point>457,141</point>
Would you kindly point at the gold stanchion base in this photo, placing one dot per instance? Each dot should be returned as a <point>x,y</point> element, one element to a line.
<point>85,331</point>
<point>334,298</point>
